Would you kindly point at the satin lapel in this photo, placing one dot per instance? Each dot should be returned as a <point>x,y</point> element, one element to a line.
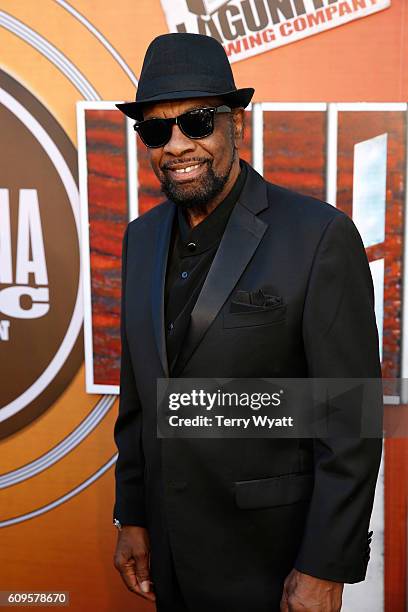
<point>158,282</point>
<point>240,240</point>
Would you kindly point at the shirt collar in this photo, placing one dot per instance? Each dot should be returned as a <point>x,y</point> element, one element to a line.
<point>209,231</point>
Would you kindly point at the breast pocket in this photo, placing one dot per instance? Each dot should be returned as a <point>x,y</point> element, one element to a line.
<point>256,316</point>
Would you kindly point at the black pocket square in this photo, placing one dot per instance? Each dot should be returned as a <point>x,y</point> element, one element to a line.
<point>253,301</point>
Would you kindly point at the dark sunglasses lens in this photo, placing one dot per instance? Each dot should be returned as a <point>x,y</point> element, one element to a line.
<point>197,123</point>
<point>154,132</point>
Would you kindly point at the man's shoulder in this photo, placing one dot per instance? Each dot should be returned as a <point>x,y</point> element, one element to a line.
<point>287,206</point>
<point>299,205</point>
<point>302,216</point>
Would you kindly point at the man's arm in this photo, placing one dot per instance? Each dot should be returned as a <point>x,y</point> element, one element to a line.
<point>341,340</point>
<point>132,554</point>
<point>129,470</point>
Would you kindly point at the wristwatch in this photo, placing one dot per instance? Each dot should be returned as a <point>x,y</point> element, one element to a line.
<point>117,524</point>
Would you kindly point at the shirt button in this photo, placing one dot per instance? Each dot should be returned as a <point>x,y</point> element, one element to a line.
<point>184,274</point>
<point>191,246</point>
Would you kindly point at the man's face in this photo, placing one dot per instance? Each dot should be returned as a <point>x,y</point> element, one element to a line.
<point>212,162</point>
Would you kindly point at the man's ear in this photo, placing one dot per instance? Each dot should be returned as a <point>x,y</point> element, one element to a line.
<point>238,117</point>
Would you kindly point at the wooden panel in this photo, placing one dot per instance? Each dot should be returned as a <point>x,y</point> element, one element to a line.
<point>149,187</point>
<point>295,150</point>
<point>245,151</point>
<point>108,215</point>
<point>355,127</point>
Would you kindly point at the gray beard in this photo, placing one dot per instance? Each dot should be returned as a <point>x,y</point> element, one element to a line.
<point>207,189</point>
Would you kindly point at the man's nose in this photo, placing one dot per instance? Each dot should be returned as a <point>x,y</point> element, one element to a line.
<point>178,143</point>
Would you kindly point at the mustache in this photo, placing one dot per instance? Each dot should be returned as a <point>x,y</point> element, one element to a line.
<point>190,160</point>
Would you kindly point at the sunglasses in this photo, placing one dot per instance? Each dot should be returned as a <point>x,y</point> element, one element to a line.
<point>195,124</point>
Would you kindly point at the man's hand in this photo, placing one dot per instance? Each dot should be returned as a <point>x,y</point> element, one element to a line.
<point>132,560</point>
<point>304,593</point>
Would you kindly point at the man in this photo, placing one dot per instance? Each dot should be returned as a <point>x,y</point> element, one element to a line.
<point>235,277</point>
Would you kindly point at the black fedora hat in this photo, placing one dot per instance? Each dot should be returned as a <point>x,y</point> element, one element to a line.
<point>185,65</point>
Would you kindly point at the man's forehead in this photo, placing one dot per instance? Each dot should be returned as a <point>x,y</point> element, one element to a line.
<point>173,108</point>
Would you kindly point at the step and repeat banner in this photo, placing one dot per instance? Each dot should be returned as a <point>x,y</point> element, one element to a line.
<point>329,119</point>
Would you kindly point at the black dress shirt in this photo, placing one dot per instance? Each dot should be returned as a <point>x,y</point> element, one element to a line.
<point>191,252</point>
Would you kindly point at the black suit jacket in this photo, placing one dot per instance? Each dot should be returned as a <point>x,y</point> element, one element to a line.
<point>238,514</point>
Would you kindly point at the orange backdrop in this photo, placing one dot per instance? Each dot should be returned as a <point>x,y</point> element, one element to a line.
<point>62,53</point>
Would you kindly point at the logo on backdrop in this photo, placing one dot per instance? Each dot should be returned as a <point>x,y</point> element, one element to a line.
<point>40,314</point>
<point>248,27</point>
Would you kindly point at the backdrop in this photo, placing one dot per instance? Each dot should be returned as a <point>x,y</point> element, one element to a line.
<point>329,119</point>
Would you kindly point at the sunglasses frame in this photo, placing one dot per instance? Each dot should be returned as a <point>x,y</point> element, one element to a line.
<point>223,108</point>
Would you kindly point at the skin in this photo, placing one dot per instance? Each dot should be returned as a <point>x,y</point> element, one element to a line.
<point>301,593</point>
<point>132,560</point>
<point>304,593</point>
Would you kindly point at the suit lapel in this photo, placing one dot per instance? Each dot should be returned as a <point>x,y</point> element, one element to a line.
<point>239,242</point>
<point>164,227</point>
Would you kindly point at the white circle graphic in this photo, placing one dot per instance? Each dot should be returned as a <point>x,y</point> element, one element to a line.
<point>71,189</point>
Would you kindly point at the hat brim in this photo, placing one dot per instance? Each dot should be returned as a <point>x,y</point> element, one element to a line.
<point>235,98</point>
